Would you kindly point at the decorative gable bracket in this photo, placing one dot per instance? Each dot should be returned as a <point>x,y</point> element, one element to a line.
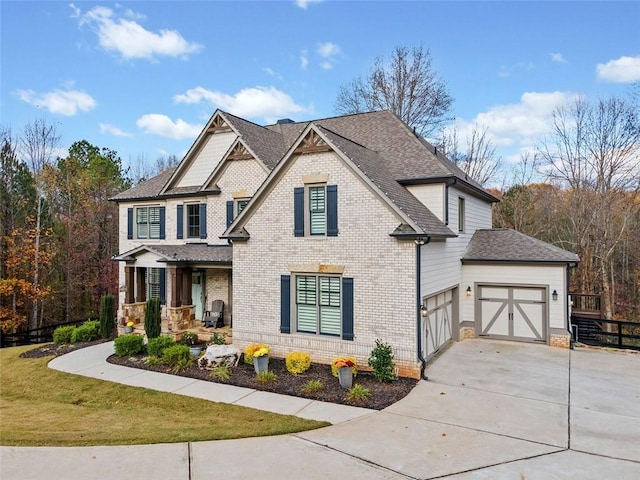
<point>312,143</point>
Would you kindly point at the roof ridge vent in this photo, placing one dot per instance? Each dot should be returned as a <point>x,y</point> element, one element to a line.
<point>284,120</point>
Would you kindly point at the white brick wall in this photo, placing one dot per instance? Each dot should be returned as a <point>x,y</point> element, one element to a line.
<point>382,267</point>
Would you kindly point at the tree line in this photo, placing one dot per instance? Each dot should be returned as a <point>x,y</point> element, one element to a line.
<point>579,190</point>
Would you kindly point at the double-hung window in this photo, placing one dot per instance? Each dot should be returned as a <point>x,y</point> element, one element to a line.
<point>193,220</point>
<point>318,304</point>
<point>461,215</point>
<point>153,283</point>
<point>240,204</point>
<point>148,222</point>
<point>315,210</point>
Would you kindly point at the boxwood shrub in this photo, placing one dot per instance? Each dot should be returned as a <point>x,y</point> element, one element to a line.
<point>87,332</point>
<point>176,355</point>
<point>131,344</point>
<point>158,345</point>
<point>63,334</point>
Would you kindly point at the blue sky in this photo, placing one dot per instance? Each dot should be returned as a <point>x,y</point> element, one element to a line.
<point>142,78</point>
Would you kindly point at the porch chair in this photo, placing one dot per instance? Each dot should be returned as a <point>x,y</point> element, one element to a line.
<point>214,317</point>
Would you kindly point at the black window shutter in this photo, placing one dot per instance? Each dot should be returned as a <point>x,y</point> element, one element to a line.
<point>129,223</point>
<point>285,303</point>
<point>332,210</point>
<point>163,285</point>
<point>179,221</point>
<point>163,222</point>
<point>298,211</point>
<point>229,212</point>
<point>347,308</point>
<point>203,220</point>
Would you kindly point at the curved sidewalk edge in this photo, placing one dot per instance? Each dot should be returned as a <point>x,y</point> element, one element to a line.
<point>92,362</point>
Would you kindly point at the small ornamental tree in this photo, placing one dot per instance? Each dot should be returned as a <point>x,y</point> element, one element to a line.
<point>107,317</point>
<point>381,360</point>
<point>152,318</point>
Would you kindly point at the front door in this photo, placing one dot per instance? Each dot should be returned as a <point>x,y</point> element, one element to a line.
<point>196,293</point>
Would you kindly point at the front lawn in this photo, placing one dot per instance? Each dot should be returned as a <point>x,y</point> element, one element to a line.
<point>40,406</point>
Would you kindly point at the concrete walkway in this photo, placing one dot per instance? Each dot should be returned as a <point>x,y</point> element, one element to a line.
<point>490,410</point>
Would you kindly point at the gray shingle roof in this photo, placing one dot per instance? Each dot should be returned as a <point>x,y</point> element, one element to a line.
<point>506,245</point>
<point>375,168</point>
<point>195,252</point>
<point>147,189</point>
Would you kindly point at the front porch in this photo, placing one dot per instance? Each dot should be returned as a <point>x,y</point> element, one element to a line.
<point>175,321</point>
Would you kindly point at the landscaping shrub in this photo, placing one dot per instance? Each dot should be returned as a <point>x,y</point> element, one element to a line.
<point>87,332</point>
<point>313,386</point>
<point>63,334</point>
<point>107,316</point>
<point>177,356</point>
<point>157,346</point>
<point>188,338</point>
<point>221,373</point>
<point>152,318</point>
<point>251,349</point>
<point>358,394</point>
<point>266,377</point>
<point>217,339</point>
<point>298,362</point>
<point>381,360</point>
<point>126,345</point>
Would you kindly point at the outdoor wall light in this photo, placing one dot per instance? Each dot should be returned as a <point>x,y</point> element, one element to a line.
<point>554,296</point>
<point>423,310</point>
<point>468,291</point>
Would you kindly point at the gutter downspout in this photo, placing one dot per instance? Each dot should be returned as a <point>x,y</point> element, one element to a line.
<point>419,243</point>
<point>570,327</point>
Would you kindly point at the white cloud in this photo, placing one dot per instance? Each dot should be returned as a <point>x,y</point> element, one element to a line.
<point>265,102</point>
<point>158,124</point>
<point>507,71</point>
<point>304,60</point>
<point>558,57</point>
<point>304,4</point>
<point>113,130</point>
<point>326,65</point>
<point>517,125</point>
<point>130,40</point>
<point>62,102</point>
<point>273,73</point>
<point>328,49</point>
<point>620,70</point>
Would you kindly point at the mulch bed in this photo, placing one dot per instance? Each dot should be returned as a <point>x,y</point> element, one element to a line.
<point>382,394</point>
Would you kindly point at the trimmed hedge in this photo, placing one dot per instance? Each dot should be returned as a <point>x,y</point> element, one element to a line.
<point>63,334</point>
<point>131,344</point>
<point>176,355</point>
<point>87,332</point>
<point>157,346</point>
<point>107,316</point>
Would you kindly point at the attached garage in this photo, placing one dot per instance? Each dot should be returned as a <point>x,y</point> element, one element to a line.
<point>512,312</point>
<point>439,321</point>
<point>516,288</point>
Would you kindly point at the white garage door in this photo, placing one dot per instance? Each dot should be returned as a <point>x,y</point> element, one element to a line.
<point>513,313</point>
<point>437,329</point>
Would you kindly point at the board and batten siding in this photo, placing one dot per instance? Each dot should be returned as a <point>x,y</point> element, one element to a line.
<point>382,268</point>
<point>551,276</point>
<point>207,159</point>
<point>441,267</point>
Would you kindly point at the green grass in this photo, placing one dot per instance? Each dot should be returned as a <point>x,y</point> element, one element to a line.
<point>40,406</point>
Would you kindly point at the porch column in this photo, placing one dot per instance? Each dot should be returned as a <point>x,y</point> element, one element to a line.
<point>175,293</point>
<point>140,284</point>
<point>129,282</point>
<point>186,287</point>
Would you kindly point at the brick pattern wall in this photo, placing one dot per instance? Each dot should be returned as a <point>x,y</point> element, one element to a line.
<point>382,267</point>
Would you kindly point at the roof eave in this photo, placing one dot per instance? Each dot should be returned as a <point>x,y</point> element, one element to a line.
<point>449,180</point>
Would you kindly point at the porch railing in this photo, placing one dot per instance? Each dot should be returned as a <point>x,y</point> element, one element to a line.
<point>586,305</point>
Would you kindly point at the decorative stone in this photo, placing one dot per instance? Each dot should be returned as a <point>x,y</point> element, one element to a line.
<point>219,355</point>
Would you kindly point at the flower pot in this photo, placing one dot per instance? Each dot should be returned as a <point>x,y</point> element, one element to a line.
<point>195,350</point>
<point>261,364</point>
<point>345,376</point>
<point>128,329</point>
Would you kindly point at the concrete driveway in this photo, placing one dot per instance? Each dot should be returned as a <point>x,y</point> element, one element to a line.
<point>490,410</point>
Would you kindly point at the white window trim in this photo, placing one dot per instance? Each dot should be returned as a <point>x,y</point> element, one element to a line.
<point>318,326</point>
<point>186,220</point>
<point>148,223</point>
<point>307,210</point>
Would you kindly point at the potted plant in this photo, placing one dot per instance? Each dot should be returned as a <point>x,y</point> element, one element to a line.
<point>345,368</point>
<point>128,327</point>
<point>261,360</point>
<point>191,340</point>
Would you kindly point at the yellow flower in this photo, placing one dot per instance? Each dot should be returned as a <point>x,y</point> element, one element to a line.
<point>260,352</point>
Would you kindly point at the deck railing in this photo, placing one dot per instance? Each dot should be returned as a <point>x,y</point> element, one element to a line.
<point>586,304</point>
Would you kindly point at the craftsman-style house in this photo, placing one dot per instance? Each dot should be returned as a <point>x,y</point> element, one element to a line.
<point>324,236</point>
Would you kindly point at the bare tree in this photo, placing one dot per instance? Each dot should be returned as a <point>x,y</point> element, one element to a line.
<point>594,152</point>
<point>407,84</point>
<point>478,160</point>
<point>38,144</point>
